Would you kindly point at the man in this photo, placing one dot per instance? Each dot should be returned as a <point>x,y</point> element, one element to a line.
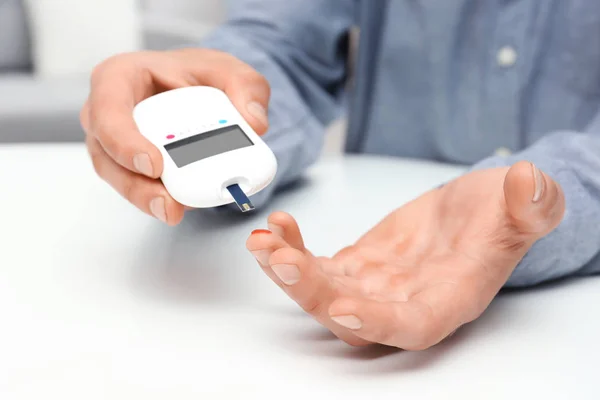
<point>445,80</point>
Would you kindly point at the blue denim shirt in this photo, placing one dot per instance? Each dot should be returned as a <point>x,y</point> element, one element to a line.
<point>446,80</point>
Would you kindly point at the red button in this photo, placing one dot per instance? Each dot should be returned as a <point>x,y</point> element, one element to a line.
<point>171,137</point>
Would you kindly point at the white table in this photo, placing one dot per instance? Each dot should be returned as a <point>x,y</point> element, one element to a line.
<point>98,301</point>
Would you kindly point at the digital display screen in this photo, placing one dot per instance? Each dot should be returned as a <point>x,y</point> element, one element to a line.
<point>199,147</point>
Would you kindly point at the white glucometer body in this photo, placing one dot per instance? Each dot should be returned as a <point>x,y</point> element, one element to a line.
<point>211,155</point>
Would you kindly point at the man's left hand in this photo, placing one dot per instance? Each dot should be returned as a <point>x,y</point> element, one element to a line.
<point>429,267</point>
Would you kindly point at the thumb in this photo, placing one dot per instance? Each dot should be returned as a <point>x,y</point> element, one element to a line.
<point>248,90</point>
<point>250,93</point>
<point>534,201</point>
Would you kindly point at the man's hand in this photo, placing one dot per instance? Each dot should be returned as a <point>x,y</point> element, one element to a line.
<point>427,268</point>
<point>120,154</point>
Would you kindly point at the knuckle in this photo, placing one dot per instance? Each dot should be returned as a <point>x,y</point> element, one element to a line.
<point>423,339</point>
<point>346,252</point>
<point>107,134</point>
<point>383,335</point>
<point>423,333</point>
<point>97,163</point>
<point>95,112</point>
<point>418,346</point>
<point>84,114</point>
<point>507,239</point>
<point>97,71</point>
<point>313,305</point>
<point>249,74</point>
<point>116,65</point>
<point>101,68</point>
<point>351,260</point>
<point>221,56</point>
<point>505,236</point>
<point>130,188</point>
<point>250,77</point>
<point>104,130</point>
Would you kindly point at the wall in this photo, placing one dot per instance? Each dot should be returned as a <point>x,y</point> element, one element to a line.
<point>206,11</point>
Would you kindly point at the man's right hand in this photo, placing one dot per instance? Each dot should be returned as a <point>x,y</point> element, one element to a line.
<point>120,154</point>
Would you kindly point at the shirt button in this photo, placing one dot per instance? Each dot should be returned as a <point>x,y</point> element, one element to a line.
<point>507,56</point>
<point>503,152</point>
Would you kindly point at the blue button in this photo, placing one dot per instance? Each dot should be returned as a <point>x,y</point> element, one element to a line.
<point>223,121</point>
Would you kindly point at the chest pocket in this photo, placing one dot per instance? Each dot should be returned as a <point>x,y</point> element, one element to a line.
<point>573,55</point>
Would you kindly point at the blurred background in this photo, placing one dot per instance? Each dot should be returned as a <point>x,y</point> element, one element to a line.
<point>49,47</point>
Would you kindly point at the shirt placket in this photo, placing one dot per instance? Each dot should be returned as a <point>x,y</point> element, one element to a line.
<point>502,128</point>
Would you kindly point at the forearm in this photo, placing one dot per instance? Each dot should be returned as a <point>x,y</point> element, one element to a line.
<point>573,160</point>
<point>306,77</point>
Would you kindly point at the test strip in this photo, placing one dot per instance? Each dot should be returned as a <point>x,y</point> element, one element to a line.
<point>240,198</point>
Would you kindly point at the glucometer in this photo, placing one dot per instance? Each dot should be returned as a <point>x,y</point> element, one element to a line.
<point>211,155</point>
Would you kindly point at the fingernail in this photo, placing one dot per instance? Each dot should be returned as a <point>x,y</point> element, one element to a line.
<point>142,163</point>
<point>260,231</point>
<point>157,207</point>
<point>262,256</point>
<point>258,112</point>
<point>348,321</point>
<point>289,274</point>
<point>276,229</point>
<point>540,183</point>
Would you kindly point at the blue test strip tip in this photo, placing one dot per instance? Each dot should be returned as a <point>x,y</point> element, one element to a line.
<point>240,198</point>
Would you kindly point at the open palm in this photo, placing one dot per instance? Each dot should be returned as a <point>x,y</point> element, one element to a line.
<point>429,267</point>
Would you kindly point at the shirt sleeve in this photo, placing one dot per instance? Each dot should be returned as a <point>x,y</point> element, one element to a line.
<point>301,48</point>
<point>573,160</point>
